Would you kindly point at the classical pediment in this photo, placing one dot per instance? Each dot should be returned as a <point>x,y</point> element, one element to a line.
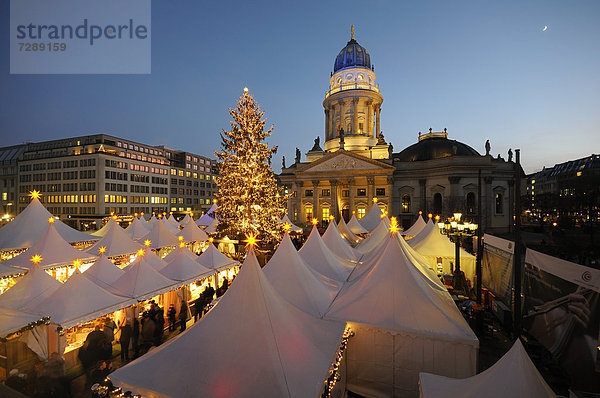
<point>344,161</point>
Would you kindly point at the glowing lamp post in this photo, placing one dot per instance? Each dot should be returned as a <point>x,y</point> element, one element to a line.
<point>456,229</point>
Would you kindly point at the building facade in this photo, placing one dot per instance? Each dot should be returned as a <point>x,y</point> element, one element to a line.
<point>356,165</point>
<point>86,178</point>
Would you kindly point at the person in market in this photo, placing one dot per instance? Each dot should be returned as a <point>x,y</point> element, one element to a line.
<point>198,307</point>
<point>109,329</point>
<point>125,338</point>
<point>135,337</point>
<point>171,314</point>
<point>183,313</point>
<point>148,328</point>
<point>159,321</point>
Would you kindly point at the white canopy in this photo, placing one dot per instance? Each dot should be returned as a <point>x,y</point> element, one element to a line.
<point>192,233</point>
<point>317,255</point>
<point>54,250</point>
<point>12,320</point>
<point>371,220</point>
<point>79,300</point>
<point>514,375</point>
<point>423,233</point>
<point>186,219</point>
<point>355,227</point>
<point>29,226</point>
<point>149,257</point>
<point>415,228</point>
<point>184,269</point>
<point>175,252</point>
<point>286,220</point>
<point>214,259</point>
<point>160,236</point>
<point>102,231</point>
<point>346,233</point>
<point>376,237</point>
<point>116,242</point>
<point>7,270</point>
<point>168,225</point>
<point>103,272</point>
<point>435,245</point>
<point>402,326</point>
<point>29,291</point>
<point>252,344</point>
<point>152,221</point>
<point>297,282</point>
<point>137,229</point>
<point>212,227</point>
<point>207,218</point>
<point>141,281</point>
<point>171,219</point>
<point>334,241</point>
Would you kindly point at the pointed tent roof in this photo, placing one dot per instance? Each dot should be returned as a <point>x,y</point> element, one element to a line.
<point>207,218</point>
<point>184,269</point>
<point>116,242</point>
<point>334,241</point>
<point>79,300</point>
<point>272,350</point>
<point>355,227</point>
<point>514,375</point>
<point>137,229</point>
<point>32,289</point>
<point>29,226</point>
<point>286,220</point>
<point>149,257</point>
<point>423,233</point>
<point>416,227</point>
<point>297,282</point>
<point>371,220</point>
<point>160,236</point>
<point>103,272</point>
<point>153,220</point>
<point>54,250</point>
<point>394,295</point>
<point>175,252</point>
<point>171,219</point>
<point>12,320</point>
<point>169,225</point>
<point>7,270</point>
<point>377,236</point>
<point>212,228</point>
<point>346,233</point>
<point>214,259</point>
<point>186,219</point>
<point>141,281</point>
<point>192,233</point>
<point>438,245</point>
<point>102,231</point>
<point>320,258</point>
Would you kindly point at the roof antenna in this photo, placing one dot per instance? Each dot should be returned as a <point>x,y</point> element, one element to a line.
<point>352,31</point>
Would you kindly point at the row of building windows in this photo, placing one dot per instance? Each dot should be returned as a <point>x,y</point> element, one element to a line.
<point>360,192</point>
<point>70,199</point>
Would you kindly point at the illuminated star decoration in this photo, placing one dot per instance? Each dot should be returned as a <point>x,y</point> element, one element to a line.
<point>141,252</point>
<point>36,259</point>
<point>315,221</point>
<point>430,215</point>
<point>51,220</point>
<point>77,263</point>
<point>331,218</point>
<point>251,240</point>
<point>147,242</point>
<point>181,245</point>
<point>35,194</point>
<point>437,218</point>
<point>393,226</point>
<point>102,250</point>
<point>211,239</point>
<point>287,227</point>
<point>374,200</point>
<point>180,238</point>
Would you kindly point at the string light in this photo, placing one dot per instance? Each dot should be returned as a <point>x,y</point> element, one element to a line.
<point>334,375</point>
<point>181,245</point>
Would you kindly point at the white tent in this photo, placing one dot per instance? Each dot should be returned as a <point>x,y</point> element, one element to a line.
<point>415,228</point>
<point>29,226</point>
<point>168,225</point>
<point>252,344</point>
<point>317,255</point>
<point>160,236</point>
<point>149,257</point>
<point>334,241</point>
<point>141,281</point>
<point>116,242</point>
<point>186,219</point>
<point>286,220</point>
<point>79,300</point>
<point>423,233</point>
<point>212,227</point>
<point>346,233</point>
<point>7,271</point>
<point>152,221</point>
<point>207,218</point>
<point>403,326</point>
<point>184,269</point>
<point>435,246</point>
<point>171,219</point>
<point>297,282</point>
<point>12,320</point>
<point>376,237</point>
<point>514,375</point>
<point>214,259</point>
<point>54,250</point>
<point>355,227</point>
<point>138,228</point>
<point>29,291</point>
<point>192,233</point>
<point>103,272</point>
<point>371,220</point>
<point>105,228</point>
<point>175,252</point>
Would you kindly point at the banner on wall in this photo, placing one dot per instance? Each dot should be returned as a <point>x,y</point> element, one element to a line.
<point>561,309</point>
<point>497,267</point>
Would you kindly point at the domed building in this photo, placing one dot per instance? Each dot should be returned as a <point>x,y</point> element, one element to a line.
<point>356,166</point>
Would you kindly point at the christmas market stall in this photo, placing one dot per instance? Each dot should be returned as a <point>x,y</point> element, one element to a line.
<point>317,255</point>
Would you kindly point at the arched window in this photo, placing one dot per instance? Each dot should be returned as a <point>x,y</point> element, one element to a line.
<point>499,203</point>
<point>437,203</point>
<point>405,203</point>
<point>471,202</point>
<point>309,212</point>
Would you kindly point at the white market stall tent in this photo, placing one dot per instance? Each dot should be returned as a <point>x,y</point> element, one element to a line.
<point>29,226</point>
<point>429,226</point>
<point>294,227</point>
<point>149,257</point>
<point>141,281</point>
<point>317,255</point>
<point>403,326</point>
<point>214,259</point>
<point>174,229</point>
<point>191,232</point>
<point>355,227</point>
<point>160,236</point>
<point>207,218</point>
<point>371,220</point>
<point>138,228</point>
<point>296,282</point>
<point>175,253</point>
<point>12,321</point>
<point>184,269</point>
<point>252,344</point>
<point>105,228</point>
<point>115,242</point>
<point>103,272</point>
<point>29,291</point>
<point>212,227</point>
<point>346,233</point>
<point>337,244</point>
<point>415,228</point>
<point>377,236</point>
<point>514,375</point>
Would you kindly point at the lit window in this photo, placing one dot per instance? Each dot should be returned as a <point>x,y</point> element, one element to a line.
<point>325,214</point>
<point>360,213</point>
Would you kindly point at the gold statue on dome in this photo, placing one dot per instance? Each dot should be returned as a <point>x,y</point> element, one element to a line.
<point>352,31</point>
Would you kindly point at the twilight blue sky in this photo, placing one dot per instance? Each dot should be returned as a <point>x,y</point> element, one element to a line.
<point>483,69</point>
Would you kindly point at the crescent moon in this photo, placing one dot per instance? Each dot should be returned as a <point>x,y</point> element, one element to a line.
<point>545,28</point>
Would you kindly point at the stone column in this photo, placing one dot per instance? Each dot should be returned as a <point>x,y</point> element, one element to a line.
<point>327,131</point>
<point>334,201</point>
<point>488,203</point>
<point>332,130</point>
<point>342,115</point>
<point>377,122</point>
<point>316,200</point>
<point>423,186</point>
<point>455,205</point>
<point>389,193</point>
<point>351,196</point>
<point>370,190</point>
<point>355,116</point>
<point>368,116</point>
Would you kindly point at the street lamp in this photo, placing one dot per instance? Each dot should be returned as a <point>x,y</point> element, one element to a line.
<point>456,229</point>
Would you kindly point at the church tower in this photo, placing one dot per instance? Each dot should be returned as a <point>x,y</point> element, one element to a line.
<point>353,105</point>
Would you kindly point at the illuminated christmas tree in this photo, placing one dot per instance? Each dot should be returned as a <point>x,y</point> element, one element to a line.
<point>250,202</point>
